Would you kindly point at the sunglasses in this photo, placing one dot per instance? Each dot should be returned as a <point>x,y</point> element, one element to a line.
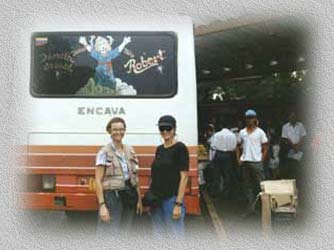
<point>165,128</point>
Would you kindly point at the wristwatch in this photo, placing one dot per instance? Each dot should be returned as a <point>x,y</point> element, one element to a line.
<point>102,203</point>
<point>179,204</point>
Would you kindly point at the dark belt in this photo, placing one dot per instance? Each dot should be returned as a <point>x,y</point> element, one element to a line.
<point>225,152</point>
<point>116,192</point>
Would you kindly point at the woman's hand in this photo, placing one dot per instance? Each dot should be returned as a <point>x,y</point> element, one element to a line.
<point>139,207</point>
<point>177,212</point>
<point>104,213</point>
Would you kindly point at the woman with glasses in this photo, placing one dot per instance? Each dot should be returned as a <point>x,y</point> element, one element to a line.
<point>116,178</point>
<point>169,180</point>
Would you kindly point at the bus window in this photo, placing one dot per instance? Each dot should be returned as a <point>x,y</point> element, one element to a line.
<point>104,64</point>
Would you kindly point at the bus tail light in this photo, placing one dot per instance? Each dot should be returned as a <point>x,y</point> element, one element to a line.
<point>49,182</point>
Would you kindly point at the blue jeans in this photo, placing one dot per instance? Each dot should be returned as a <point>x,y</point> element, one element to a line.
<point>163,223</point>
<point>121,216</point>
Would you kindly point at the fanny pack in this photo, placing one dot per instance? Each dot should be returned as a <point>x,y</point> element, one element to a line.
<point>129,195</point>
<point>152,199</point>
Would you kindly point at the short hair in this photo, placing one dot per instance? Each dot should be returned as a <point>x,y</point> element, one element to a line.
<point>115,120</point>
<point>210,127</point>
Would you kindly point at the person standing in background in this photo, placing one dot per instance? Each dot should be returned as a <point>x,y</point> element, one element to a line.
<point>223,145</point>
<point>251,153</point>
<point>209,133</point>
<point>293,134</point>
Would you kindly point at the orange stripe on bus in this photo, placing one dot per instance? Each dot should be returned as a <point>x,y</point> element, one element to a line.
<point>86,160</point>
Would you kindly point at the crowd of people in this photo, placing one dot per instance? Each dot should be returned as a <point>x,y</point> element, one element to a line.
<point>240,158</point>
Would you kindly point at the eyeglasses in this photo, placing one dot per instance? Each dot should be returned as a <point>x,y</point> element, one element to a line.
<point>118,130</point>
<point>165,128</point>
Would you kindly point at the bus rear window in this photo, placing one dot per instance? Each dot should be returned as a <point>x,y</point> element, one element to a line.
<point>104,64</point>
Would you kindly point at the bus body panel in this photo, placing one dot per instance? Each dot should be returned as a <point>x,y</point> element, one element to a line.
<point>66,133</point>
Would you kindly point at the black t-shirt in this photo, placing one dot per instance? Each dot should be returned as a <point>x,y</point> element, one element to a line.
<point>166,168</point>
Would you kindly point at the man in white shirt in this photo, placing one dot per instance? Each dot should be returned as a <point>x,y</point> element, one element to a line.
<point>293,134</point>
<point>253,143</point>
<point>223,145</point>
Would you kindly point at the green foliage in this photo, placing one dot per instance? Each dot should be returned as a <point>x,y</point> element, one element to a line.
<point>275,89</point>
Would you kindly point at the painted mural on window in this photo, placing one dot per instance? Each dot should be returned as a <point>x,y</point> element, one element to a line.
<point>134,64</point>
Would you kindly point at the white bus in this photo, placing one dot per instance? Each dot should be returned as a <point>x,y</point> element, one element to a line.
<point>80,78</point>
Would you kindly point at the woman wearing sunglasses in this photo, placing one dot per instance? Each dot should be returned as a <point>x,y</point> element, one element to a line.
<point>169,180</point>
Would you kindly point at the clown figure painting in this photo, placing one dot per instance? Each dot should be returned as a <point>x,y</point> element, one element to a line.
<point>100,49</point>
